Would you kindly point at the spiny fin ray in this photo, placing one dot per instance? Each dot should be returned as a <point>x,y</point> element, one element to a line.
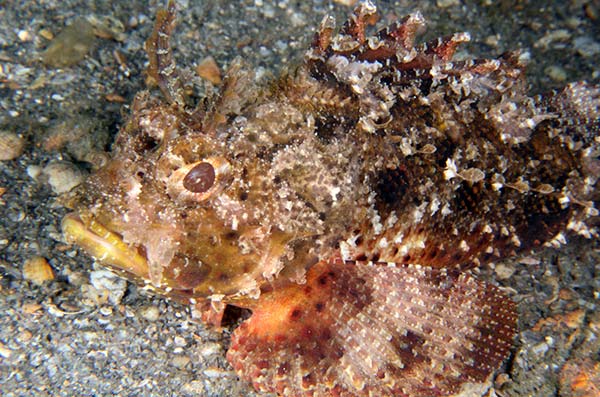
<point>357,329</point>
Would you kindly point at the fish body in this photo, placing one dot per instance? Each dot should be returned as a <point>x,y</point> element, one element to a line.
<point>345,203</point>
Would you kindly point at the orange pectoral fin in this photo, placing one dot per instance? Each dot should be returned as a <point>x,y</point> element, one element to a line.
<point>374,329</point>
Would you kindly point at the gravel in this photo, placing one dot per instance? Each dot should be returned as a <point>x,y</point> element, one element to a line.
<point>85,334</point>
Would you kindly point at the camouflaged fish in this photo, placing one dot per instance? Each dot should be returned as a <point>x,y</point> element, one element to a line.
<point>345,203</point>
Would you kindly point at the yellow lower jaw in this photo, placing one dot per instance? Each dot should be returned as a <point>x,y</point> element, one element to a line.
<point>104,245</point>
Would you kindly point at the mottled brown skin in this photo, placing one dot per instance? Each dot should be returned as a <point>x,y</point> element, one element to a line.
<point>345,203</point>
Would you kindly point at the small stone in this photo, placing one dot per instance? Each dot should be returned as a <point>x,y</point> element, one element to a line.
<point>11,145</point>
<point>215,372</point>
<point>106,310</point>
<point>447,3</point>
<point>63,176</point>
<point>180,361</point>
<point>193,388</point>
<point>34,171</point>
<point>150,313</point>
<point>210,349</point>
<point>503,271</point>
<point>492,40</point>
<point>37,270</point>
<point>24,35</point>
<point>108,287</point>
<point>586,46</point>
<point>30,308</point>
<point>556,73</point>
<point>349,3</point>
<point>560,35</point>
<point>45,33</point>
<point>5,352</point>
<point>24,336</point>
<point>209,70</point>
<point>529,260</point>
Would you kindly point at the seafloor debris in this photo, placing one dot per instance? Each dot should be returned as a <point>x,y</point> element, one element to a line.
<point>209,70</point>
<point>580,378</point>
<point>70,46</point>
<point>345,203</point>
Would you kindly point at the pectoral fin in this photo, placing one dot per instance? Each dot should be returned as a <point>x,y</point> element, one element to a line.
<point>357,329</point>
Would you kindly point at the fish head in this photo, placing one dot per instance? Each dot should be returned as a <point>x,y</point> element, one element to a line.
<point>183,210</point>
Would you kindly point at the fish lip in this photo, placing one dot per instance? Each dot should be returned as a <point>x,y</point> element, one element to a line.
<point>104,245</point>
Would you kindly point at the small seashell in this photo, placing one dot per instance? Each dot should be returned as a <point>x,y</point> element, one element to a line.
<point>544,188</point>
<point>348,3</point>
<point>37,270</point>
<point>11,145</point>
<point>63,176</point>
<point>428,149</point>
<point>46,34</point>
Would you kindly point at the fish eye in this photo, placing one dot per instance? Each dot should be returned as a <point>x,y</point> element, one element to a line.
<point>199,181</point>
<point>200,178</point>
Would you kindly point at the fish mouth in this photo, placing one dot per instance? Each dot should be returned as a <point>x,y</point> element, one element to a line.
<point>104,245</point>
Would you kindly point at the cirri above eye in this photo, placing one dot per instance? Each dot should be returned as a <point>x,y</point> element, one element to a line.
<point>198,181</point>
<point>200,178</point>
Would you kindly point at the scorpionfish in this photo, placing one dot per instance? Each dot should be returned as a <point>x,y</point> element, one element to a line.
<point>345,204</point>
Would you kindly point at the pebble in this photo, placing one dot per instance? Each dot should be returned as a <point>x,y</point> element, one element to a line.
<point>349,3</point>
<point>150,313</point>
<point>106,310</point>
<point>210,349</point>
<point>560,35</point>
<point>46,34</point>
<point>447,3</point>
<point>193,388</point>
<point>108,286</point>
<point>5,352</point>
<point>11,145</point>
<point>586,46</point>
<point>34,171</point>
<point>24,336</point>
<point>214,372</point>
<point>24,36</point>
<point>63,176</point>
<point>179,341</point>
<point>503,271</point>
<point>180,361</point>
<point>556,73</point>
<point>31,308</point>
<point>37,270</point>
